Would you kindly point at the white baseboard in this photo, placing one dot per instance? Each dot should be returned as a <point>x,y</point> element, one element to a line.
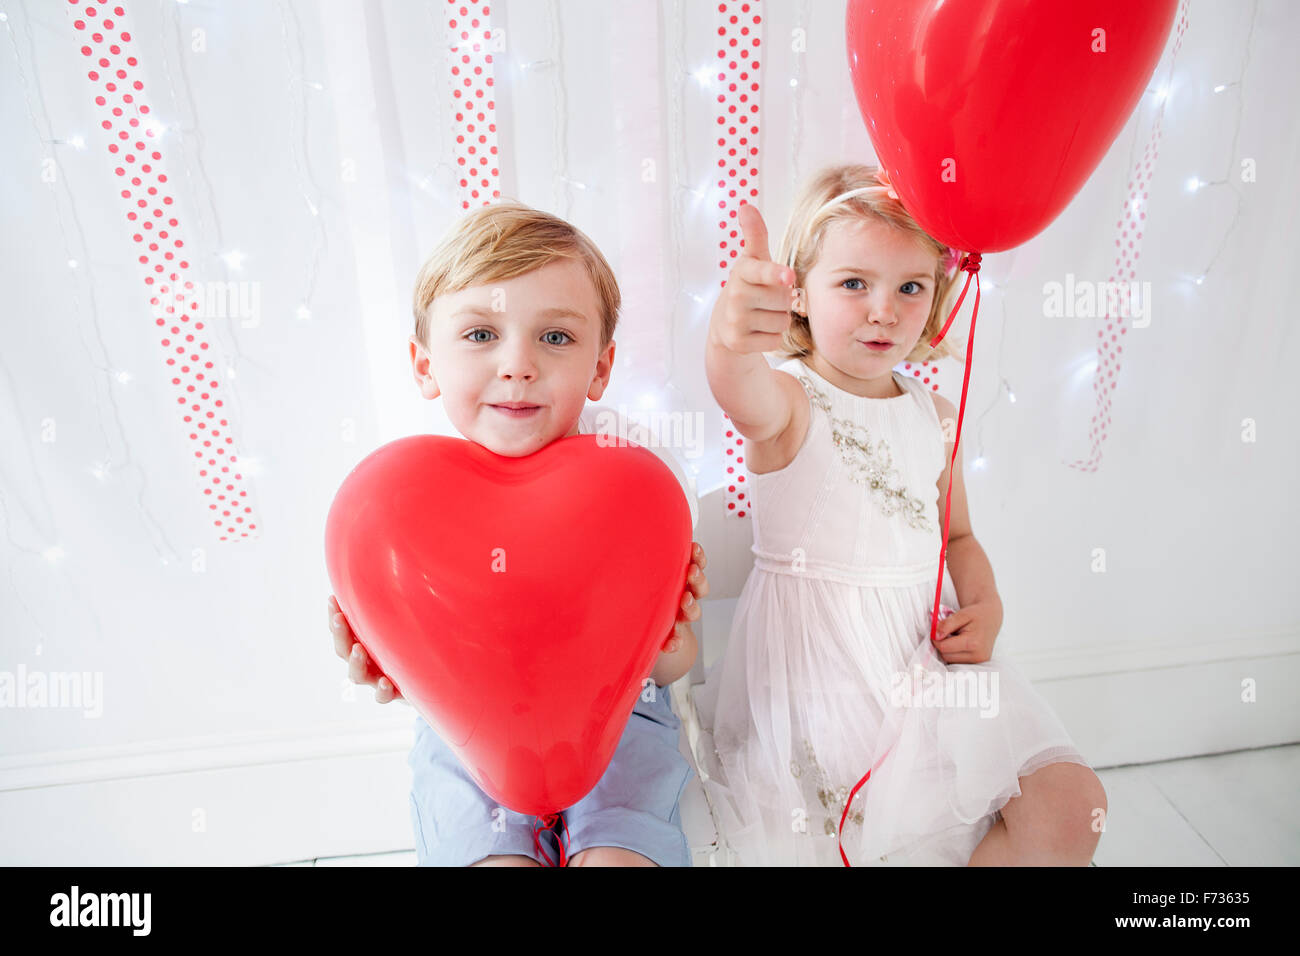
<point>181,755</point>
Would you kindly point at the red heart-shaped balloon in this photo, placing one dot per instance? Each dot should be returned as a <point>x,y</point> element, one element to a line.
<point>991,114</point>
<point>517,603</point>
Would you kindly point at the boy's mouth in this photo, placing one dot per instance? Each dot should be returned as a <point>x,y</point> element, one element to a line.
<point>517,409</point>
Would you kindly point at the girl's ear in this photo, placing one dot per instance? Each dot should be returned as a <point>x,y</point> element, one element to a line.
<point>799,305</point>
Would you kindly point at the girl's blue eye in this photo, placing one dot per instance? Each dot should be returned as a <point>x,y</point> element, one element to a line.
<point>919,288</point>
<point>558,332</point>
<point>474,332</point>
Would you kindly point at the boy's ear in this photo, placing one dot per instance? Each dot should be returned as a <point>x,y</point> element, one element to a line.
<point>422,370</point>
<point>604,367</point>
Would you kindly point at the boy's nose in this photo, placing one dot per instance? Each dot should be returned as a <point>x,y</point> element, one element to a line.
<point>518,364</point>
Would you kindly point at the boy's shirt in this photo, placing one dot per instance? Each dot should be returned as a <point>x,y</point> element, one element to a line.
<point>609,421</point>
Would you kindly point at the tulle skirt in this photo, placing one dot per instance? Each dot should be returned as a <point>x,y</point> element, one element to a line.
<point>822,681</point>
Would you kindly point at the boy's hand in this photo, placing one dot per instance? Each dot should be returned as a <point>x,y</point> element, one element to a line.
<point>360,668</point>
<point>754,308</point>
<point>697,586</point>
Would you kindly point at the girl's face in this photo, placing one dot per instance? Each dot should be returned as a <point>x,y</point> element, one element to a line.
<point>532,340</point>
<point>871,282</point>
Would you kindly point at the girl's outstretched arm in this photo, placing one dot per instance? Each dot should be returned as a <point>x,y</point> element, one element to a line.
<point>748,319</point>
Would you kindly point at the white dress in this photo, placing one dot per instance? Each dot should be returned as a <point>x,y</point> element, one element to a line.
<point>829,670</point>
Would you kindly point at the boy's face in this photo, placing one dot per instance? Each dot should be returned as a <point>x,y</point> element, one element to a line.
<point>533,340</point>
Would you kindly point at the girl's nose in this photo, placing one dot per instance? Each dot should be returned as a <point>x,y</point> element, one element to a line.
<point>880,309</point>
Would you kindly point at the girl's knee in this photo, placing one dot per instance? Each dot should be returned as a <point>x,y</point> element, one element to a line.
<point>1090,799</point>
<point>1083,817</point>
<point>1063,820</point>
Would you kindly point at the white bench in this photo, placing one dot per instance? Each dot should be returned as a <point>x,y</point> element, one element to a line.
<point>727,541</point>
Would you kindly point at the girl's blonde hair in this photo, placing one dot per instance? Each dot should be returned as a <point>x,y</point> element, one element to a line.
<point>802,244</point>
<point>504,240</point>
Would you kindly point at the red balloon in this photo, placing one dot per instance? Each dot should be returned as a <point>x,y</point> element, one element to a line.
<point>516,603</point>
<point>989,115</point>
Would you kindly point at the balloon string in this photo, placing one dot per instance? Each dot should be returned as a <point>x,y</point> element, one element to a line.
<point>849,802</point>
<point>546,823</point>
<point>971,266</point>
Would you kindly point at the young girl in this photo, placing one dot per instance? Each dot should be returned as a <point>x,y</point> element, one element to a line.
<point>829,672</point>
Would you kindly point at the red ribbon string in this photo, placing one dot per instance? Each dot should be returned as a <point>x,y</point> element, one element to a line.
<point>849,802</point>
<point>547,823</point>
<point>971,266</point>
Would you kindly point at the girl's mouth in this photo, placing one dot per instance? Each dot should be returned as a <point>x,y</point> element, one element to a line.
<point>879,346</point>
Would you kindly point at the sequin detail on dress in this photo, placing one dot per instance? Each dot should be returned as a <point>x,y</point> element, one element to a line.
<point>870,463</point>
<point>831,798</point>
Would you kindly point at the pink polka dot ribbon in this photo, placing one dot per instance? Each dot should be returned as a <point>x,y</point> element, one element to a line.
<point>474,122</point>
<point>156,232</point>
<point>737,70</point>
<point>1128,245</point>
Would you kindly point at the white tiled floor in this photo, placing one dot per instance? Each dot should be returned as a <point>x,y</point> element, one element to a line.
<point>1234,809</point>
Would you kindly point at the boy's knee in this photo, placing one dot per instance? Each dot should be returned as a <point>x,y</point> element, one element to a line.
<point>510,859</point>
<point>610,856</point>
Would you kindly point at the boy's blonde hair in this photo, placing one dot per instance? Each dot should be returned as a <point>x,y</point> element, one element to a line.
<point>505,240</point>
<point>802,244</point>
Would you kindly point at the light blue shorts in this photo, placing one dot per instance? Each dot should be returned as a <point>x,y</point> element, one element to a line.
<point>634,804</point>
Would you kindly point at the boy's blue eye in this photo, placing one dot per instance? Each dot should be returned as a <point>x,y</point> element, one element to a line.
<point>473,332</point>
<point>851,280</point>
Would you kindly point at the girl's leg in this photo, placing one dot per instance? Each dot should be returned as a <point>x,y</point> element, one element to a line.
<point>1051,823</point>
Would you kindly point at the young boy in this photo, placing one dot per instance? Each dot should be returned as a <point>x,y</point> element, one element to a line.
<point>514,329</point>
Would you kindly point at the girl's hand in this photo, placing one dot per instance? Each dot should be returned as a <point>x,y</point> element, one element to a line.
<point>754,307</point>
<point>697,586</point>
<point>966,636</point>
<point>360,668</point>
